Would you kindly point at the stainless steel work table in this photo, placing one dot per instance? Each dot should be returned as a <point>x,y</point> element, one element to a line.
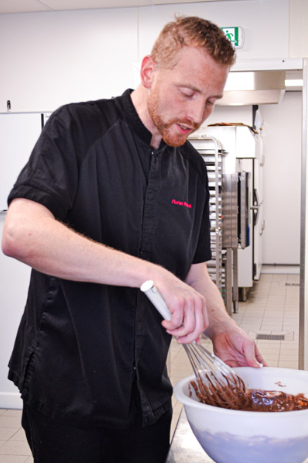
<point>185,446</point>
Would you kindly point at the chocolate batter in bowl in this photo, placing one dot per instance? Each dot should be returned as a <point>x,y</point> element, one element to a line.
<point>250,435</point>
<point>252,399</point>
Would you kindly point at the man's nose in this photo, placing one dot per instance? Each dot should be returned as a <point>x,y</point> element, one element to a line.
<point>196,111</point>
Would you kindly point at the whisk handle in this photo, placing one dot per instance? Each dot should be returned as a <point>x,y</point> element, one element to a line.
<point>155,297</point>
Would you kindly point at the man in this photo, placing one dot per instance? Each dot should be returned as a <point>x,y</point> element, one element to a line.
<point>113,195</point>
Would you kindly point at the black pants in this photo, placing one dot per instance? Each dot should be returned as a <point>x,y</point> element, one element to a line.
<point>51,441</point>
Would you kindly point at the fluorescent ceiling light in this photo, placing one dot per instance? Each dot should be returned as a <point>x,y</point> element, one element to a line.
<point>240,81</point>
<point>294,82</point>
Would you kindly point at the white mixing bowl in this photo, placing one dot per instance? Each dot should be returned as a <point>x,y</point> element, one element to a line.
<point>250,436</point>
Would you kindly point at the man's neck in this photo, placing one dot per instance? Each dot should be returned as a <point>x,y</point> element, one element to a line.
<point>139,99</point>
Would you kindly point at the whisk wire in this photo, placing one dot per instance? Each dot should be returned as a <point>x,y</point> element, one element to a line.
<point>216,383</point>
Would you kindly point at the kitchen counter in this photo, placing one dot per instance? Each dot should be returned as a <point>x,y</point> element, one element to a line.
<point>185,446</point>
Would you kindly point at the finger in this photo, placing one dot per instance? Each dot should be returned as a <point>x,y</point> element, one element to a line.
<point>188,321</point>
<point>260,358</point>
<point>199,325</point>
<point>201,318</point>
<point>176,307</point>
<point>250,353</point>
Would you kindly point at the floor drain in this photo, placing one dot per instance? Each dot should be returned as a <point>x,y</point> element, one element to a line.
<point>269,337</point>
<point>287,336</point>
<point>291,284</point>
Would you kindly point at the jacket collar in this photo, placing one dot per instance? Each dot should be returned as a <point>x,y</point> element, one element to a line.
<point>125,105</point>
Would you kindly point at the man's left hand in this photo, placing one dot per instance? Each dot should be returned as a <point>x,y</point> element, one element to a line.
<point>237,349</point>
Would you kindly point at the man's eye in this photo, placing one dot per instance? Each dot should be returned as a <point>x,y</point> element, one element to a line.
<point>187,94</point>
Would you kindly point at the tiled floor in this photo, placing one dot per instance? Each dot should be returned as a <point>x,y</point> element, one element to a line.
<point>272,308</point>
<point>13,444</point>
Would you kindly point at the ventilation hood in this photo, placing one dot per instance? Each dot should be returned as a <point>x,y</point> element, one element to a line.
<point>253,88</point>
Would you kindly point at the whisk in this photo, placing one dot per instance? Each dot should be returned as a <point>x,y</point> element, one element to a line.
<point>216,383</point>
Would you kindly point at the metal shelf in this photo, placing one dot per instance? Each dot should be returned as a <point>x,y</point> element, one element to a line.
<point>221,265</point>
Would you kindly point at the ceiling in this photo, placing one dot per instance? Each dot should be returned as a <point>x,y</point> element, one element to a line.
<point>32,6</point>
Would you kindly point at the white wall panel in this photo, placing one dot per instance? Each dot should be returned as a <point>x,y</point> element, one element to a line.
<point>282,180</point>
<point>18,135</point>
<point>298,28</point>
<point>49,59</point>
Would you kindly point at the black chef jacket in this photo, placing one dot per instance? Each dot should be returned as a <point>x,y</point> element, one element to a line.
<point>81,347</point>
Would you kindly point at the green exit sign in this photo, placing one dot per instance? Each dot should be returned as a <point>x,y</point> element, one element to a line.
<point>235,35</point>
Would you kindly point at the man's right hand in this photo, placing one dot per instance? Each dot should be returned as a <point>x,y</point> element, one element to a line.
<point>188,309</point>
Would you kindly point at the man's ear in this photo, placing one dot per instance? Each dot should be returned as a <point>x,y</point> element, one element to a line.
<point>146,72</point>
